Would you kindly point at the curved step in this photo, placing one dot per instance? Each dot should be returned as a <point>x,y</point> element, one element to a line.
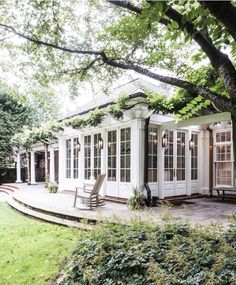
<point>11,186</point>
<point>4,190</point>
<point>45,217</point>
<point>53,212</point>
<point>8,188</point>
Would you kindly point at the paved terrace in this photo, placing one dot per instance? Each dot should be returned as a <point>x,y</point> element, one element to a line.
<point>199,210</point>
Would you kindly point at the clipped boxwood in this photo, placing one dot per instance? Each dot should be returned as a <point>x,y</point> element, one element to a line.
<point>147,255</point>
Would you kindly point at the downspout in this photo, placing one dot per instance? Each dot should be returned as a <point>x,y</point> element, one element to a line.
<point>146,151</point>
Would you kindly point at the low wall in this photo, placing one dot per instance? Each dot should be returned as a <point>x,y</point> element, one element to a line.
<point>8,175</point>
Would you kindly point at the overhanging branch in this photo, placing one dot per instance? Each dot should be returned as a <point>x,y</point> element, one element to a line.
<point>220,101</point>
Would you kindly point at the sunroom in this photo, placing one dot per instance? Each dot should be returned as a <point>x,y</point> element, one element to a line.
<point>173,159</point>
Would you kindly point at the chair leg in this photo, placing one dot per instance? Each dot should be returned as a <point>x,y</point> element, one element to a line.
<point>76,192</point>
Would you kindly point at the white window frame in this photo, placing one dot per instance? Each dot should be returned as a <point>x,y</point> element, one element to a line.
<point>225,143</point>
<point>125,156</point>
<point>198,153</point>
<point>151,153</point>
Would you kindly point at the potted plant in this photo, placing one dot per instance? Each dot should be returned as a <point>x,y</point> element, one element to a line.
<point>137,200</point>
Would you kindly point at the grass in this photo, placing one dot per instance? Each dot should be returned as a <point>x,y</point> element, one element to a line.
<point>32,252</point>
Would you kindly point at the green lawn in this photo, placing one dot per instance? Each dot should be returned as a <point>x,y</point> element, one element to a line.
<point>32,252</point>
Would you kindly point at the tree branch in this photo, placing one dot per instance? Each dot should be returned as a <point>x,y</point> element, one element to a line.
<point>221,102</point>
<point>223,11</point>
<point>219,61</point>
<point>132,8</point>
<point>36,41</point>
<point>126,5</point>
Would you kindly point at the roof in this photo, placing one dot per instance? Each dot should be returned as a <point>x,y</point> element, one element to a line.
<point>135,88</point>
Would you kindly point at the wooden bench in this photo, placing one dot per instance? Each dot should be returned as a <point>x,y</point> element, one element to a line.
<point>223,192</point>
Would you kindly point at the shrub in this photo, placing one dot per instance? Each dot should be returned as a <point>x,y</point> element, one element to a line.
<point>51,186</point>
<point>137,200</point>
<point>142,254</point>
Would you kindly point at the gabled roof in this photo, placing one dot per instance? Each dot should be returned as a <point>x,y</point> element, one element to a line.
<point>135,88</point>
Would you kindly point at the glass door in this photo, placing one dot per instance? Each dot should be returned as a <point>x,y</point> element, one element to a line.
<point>175,163</point>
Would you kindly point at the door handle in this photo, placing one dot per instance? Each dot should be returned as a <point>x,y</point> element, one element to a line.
<point>174,172</point>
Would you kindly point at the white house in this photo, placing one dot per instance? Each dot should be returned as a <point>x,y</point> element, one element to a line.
<point>179,159</point>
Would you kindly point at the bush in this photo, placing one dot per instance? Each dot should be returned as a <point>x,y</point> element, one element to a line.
<point>51,186</point>
<point>137,200</point>
<point>146,255</point>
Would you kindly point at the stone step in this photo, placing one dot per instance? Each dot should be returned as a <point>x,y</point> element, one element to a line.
<point>11,186</point>
<point>4,190</point>
<point>45,217</point>
<point>54,212</point>
<point>7,188</point>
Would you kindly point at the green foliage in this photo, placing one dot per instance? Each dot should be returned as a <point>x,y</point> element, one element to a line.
<point>44,134</point>
<point>52,187</point>
<point>142,254</point>
<point>13,116</point>
<point>194,104</point>
<point>94,118</point>
<point>115,111</point>
<point>136,201</point>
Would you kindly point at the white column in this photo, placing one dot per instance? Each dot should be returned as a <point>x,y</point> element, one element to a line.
<point>52,165</point>
<point>62,163</point>
<point>32,167</point>
<point>18,168</point>
<point>204,162</point>
<point>188,163</point>
<point>137,153</point>
<point>160,165</point>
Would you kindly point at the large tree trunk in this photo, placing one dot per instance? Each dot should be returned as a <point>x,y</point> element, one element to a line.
<point>233,118</point>
<point>28,166</point>
<point>46,163</point>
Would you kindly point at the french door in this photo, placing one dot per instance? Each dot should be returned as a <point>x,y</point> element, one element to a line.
<point>175,163</point>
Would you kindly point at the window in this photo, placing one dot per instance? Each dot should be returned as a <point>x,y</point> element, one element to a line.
<point>194,158</point>
<point>125,154</point>
<point>152,154</point>
<point>97,156</point>
<point>76,157</point>
<point>111,155</point>
<point>68,158</point>
<point>87,157</point>
<point>180,175</point>
<point>168,157</point>
<point>223,158</point>
<point>223,137</point>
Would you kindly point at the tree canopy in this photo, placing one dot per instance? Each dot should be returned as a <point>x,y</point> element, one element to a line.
<point>13,116</point>
<point>194,42</point>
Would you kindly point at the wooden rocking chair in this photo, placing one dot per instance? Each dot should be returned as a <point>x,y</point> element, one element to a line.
<point>90,197</point>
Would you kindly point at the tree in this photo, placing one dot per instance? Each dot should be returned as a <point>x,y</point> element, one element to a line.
<point>133,35</point>
<point>13,116</point>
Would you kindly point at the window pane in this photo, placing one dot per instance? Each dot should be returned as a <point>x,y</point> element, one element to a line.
<point>68,158</point>
<point>125,152</point>
<point>111,157</point>
<point>97,156</point>
<point>87,157</point>
<point>152,154</point>
<point>76,157</point>
<point>194,158</point>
